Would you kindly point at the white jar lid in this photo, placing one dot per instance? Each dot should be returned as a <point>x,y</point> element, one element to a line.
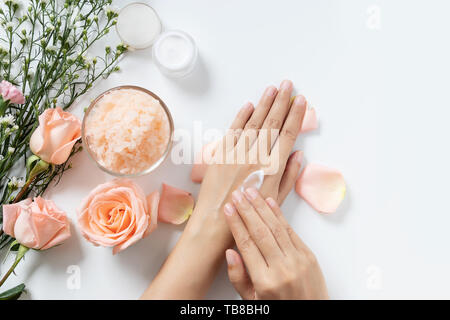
<point>138,25</point>
<point>175,53</point>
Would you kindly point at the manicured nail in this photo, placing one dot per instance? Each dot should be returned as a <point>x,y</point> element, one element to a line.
<point>299,100</point>
<point>270,91</point>
<point>231,259</point>
<point>286,85</point>
<point>228,209</point>
<point>251,193</point>
<point>247,107</point>
<point>299,157</point>
<point>236,196</point>
<point>272,203</point>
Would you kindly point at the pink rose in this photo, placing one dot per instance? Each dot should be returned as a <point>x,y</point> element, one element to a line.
<point>55,136</point>
<point>9,92</point>
<point>37,224</point>
<point>118,214</point>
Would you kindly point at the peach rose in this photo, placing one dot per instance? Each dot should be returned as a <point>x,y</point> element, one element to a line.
<point>36,224</point>
<point>117,214</point>
<point>55,136</point>
<point>9,92</point>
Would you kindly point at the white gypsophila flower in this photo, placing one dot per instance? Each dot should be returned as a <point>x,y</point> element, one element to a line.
<point>15,127</point>
<point>111,9</point>
<point>16,183</point>
<point>87,60</point>
<point>13,2</point>
<point>9,25</point>
<point>52,48</point>
<point>8,119</point>
<point>1,157</point>
<point>11,149</point>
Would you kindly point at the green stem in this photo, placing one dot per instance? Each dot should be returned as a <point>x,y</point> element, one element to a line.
<point>20,254</point>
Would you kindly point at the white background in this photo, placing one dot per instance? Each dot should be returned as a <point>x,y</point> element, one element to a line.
<point>381,93</point>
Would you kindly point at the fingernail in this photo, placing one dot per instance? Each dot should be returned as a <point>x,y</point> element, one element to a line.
<point>236,196</point>
<point>300,100</point>
<point>286,85</point>
<point>231,259</point>
<point>228,209</point>
<point>270,91</point>
<point>247,106</point>
<point>251,193</point>
<point>271,202</point>
<point>299,157</point>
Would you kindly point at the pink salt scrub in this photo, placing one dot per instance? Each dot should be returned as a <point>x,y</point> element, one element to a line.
<point>127,131</point>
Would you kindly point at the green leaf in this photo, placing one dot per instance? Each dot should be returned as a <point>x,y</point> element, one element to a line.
<point>13,293</point>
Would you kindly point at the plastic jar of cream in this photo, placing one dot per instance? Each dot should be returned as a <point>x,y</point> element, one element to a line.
<point>175,53</point>
<point>138,25</point>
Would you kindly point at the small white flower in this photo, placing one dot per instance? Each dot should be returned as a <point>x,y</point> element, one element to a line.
<point>111,9</point>
<point>16,183</point>
<point>11,149</point>
<point>51,48</point>
<point>15,127</point>
<point>9,25</point>
<point>1,157</point>
<point>8,119</point>
<point>87,60</point>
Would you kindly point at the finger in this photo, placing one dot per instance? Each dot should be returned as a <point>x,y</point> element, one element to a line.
<point>257,229</point>
<point>277,113</point>
<point>297,242</point>
<point>238,276</point>
<point>257,119</point>
<point>290,175</point>
<point>250,253</point>
<point>285,142</point>
<point>242,117</point>
<point>262,109</point>
<point>292,126</point>
<point>267,215</point>
<point>234,132</point>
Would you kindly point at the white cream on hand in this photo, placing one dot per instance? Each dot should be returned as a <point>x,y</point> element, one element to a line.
<point>175,53</point>
<point>138,25</point>
<point>253,180</point>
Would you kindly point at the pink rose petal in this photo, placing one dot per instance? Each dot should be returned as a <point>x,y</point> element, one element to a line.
<point>175,206</point>
<point>309,121</point>
<point>321,187</point>
<point>153,205</point>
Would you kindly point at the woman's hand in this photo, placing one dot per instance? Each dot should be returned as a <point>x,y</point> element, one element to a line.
<point>260,137</point>
<point>279,264</point>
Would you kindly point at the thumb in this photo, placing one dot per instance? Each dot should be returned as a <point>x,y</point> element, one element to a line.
<point>238,275</point>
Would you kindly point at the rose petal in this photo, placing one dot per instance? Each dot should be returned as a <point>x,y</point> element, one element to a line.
<point>321,187</point>
<point>309,121</point>
<point>10,214</point>
<point>202,159</point>
<point>152,204</point>
<point>175,206</point>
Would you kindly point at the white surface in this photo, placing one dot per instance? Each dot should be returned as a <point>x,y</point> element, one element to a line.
<point>382,99</point>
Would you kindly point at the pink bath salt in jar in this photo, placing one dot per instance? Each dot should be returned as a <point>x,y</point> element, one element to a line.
<point>127,131</point>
